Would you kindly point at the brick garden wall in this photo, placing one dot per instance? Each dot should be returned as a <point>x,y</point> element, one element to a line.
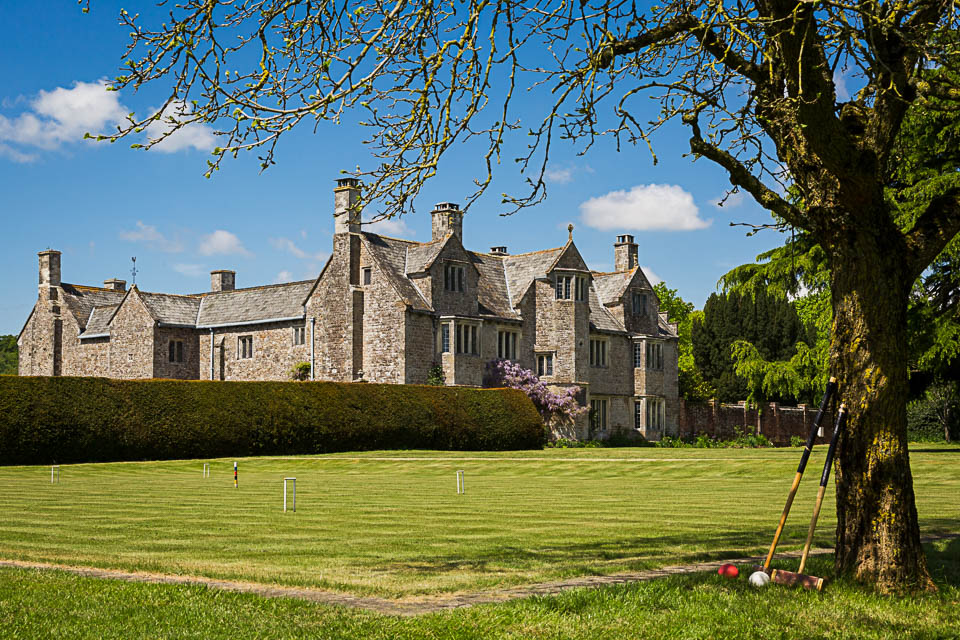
<point>776,422</point>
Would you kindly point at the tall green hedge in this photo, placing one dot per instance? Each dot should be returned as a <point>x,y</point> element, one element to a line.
<point>45,420</point>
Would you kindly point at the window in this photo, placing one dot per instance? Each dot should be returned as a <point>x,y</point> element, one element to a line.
<point>638,355</point>
<point>598,414</point>
<point>245,347</point>
<point>640,303</point>
<point>563,287</point>
<point>367,275</point>
<point>299,335</point>
<point>638,417</point>
<point>598,353</point>
<point>467,338</point>
<point>453,277</point>
<point>655,411</point>
<point>445,338</point>
<point>507,345</point>
<point>654,355</point>
<point>176,351</point>
<point>575,286</point>
<point>545,364</point>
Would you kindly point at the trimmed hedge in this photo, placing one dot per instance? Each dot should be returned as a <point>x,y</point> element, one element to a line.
<point>45,420</point>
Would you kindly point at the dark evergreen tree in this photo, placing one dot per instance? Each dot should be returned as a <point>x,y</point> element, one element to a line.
<point>769,323</point>
<point>8,355</point>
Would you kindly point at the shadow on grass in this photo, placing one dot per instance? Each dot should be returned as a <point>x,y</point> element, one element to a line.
<point>944,564</point>
<point>912,450</point>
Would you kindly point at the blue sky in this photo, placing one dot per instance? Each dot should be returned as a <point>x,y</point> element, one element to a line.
<point>101,204</point>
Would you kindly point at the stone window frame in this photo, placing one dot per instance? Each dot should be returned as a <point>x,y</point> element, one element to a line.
<point>443,338</point>
<point>545,363</point>
<point>571,285</point>
<point>175,352</point>
<point>639,354</point>
<point>599,351</point>
<point>507,340</point>
<point>467,337</point>
<point>454,277</point>
<point>654,411</point>
<point>654,355</point>
<point>367,275</point>
<point>245,347</point>
<point>299,336</point>
<point>599,408</point>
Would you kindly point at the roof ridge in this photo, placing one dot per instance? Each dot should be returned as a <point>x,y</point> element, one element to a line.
<point>530,253</point>
<point>261,286</point>
<point>380,235</point>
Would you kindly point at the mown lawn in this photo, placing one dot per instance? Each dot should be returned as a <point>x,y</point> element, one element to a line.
<point>52,604</point>
<point>391,524</point>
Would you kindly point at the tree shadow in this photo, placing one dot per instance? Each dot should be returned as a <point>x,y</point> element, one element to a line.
<point>944,563</point>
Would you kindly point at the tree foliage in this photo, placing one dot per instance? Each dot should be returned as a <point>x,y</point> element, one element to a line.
<point>692,386</point>
<point>8,355</point>
<point>552,405</point>
<point>753,81</point>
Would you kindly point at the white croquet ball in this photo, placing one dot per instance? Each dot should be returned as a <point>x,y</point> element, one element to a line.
<point>759,579</point>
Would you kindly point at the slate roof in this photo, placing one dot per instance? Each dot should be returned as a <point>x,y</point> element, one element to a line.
<point>666,329</point>
<point>391,255</point>
<point>492,295</point>
<point>81,300</point>
<point>98,324</point>
<point>523,268</point>
<point>171,309</point>
<point>268,302</point>
<point>600,317</point>
<point>421,256</point>
<point>610,286</point>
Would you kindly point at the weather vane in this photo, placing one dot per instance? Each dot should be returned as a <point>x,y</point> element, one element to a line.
<point>133,271</point>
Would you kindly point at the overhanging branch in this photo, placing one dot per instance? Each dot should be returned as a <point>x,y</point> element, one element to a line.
<point>935,227</point>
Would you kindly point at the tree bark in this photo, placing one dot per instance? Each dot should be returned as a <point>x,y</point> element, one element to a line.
<point>878,536</point>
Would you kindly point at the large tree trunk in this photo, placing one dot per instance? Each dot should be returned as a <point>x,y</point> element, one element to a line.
<point>878,538</point>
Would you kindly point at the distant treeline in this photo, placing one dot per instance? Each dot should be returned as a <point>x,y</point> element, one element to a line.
<point>8,355</point>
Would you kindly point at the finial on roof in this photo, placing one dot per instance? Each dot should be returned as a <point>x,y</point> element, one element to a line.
<point>570,232</point>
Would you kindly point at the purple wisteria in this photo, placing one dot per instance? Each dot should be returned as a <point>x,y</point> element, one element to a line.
<point>551,405</point>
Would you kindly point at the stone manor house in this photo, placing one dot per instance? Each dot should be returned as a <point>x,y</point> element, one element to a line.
<point>384,310</point>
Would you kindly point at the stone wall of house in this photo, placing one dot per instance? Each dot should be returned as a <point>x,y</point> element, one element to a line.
<point>189,369</point>
<point>779,424</point>
<point>446,302</point>
<point>561,325</point>
<point>332,305</point>
<point>131,340</point>
<point>90,357</point>
<point>383,323</point>
<point>274,353</point>
<point>616,378</point>
<point>420,352</point>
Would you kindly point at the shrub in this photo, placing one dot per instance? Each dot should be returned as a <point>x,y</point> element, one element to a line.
<point>551,405</point>
<point>435,377</point>
<point>97,419</point>
<point>797,441</point>
<point>300,371</point>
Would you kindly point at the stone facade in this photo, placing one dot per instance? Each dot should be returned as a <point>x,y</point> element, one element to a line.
<point>385,310</point>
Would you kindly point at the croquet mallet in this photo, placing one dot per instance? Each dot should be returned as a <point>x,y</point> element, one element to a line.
<point>790,578</point>
<point>831,388</point>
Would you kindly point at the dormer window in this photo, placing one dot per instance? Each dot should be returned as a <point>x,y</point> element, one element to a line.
<point>571,286</point>
<point>639,303</point>
<point>453,277</point>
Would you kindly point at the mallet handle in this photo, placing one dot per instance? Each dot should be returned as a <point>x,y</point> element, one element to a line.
<point>811,438</point>
<point>841,419</point>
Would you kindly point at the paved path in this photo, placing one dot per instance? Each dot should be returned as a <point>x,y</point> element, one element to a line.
<point>410,606</point>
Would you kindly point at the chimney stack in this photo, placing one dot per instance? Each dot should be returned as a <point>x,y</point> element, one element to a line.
<point>625,253</point>
<point>346,206</point>
<point>499,251</point>
<point>223,280</point>
<point>447,219</point>
<point>115,284</point>
<point>49,268</point>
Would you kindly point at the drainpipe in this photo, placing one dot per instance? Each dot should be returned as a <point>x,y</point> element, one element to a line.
<point>313,324</point>
<point>211,354</point>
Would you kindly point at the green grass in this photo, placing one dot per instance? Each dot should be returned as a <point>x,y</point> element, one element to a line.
<point>390,524</point>
<point>52,604</point>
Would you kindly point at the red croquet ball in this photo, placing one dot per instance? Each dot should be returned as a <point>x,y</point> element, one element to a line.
<point>728,571</point>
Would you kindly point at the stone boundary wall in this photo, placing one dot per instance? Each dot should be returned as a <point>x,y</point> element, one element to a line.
<point>778,423</point>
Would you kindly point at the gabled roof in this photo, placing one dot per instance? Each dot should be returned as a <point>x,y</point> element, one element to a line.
<point>523,268</point>
<point>254,304</point>
<point>421,257</point>
<point>666,329</point>
<point>611,286</point>
<point>600,317</point>
<point>171,309</point>
<point>81,300</point>
<point>390,255</point>
<point>492,295</point>
<point>99,321</point>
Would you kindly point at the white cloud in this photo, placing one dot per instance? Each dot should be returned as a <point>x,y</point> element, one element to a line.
<point>222,242</point>
<point>646,207</point>
<point>64,115</point>
<point>191,270</point>
<point>728,200</point>
<point>16,156</point>
<point>194,135</point>
<point>283,276</point>
<point>389,227</point>
<point>286,244</point>
<point>558,175</point>
<point>149,235</point>
<point>651,276</point>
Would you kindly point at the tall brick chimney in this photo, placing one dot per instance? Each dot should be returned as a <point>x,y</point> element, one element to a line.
<point>223,280</point>
<point>49,268</point>
<point>115,284</point>
<point>346,206</point>
<point>447,218</point>
<point>624,253</point>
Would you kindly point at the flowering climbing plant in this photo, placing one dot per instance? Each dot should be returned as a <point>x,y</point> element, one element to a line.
<point>551,405</point>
